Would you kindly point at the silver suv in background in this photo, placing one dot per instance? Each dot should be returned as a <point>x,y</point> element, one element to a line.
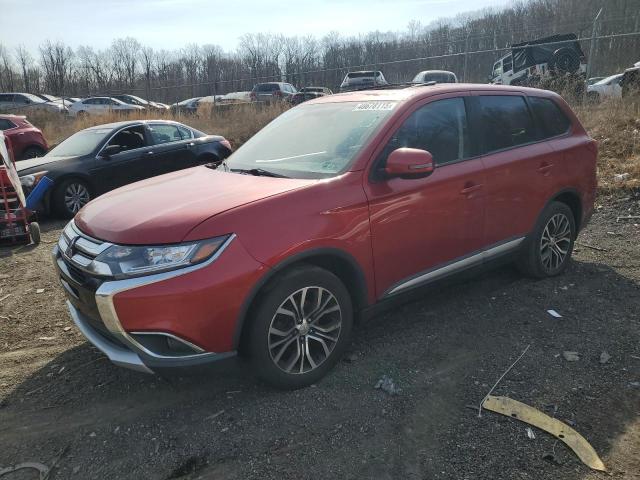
<point>270,91</point>
<point>438,76</point>
<point>10,102</point>
<point>362,80</point>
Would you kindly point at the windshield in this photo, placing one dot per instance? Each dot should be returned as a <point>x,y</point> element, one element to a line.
<point>81,143</point>
<point>312,141</point>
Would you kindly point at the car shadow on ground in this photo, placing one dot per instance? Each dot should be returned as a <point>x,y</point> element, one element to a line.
<point>445,348</point>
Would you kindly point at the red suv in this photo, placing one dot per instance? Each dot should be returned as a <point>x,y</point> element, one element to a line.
<point>27,141</point>
<point>339,205</point>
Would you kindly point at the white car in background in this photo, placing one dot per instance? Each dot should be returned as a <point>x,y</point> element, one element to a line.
<point>16,102</point>
<point>101,106</point>
<point>605,89</point>
<point>236,97</point>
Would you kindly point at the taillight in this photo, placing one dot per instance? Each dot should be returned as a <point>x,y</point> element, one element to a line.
<point>252,95</point>
<point>277,93</point>
<point>227,144</point>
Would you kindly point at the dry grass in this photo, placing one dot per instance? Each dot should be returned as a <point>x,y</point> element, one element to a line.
<point>615,125</point>
<point>237,123</point>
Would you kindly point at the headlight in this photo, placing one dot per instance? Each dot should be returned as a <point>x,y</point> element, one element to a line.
<point>29,181</point>
<point>132,261</point>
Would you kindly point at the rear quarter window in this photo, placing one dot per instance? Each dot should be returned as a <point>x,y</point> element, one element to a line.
<point>6,124</point>
<point>268,87</point>
<point>551,120</point>
<point>505,122</point>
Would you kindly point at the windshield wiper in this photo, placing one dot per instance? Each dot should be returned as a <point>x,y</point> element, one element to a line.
<point>258,172</point>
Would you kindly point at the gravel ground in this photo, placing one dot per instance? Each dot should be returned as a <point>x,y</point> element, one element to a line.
<point>62,403</point>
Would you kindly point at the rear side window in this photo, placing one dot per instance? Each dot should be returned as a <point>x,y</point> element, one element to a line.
<point>268,87</point>
<point>505,122</point>
<point>439,127</point>
<point>551,119</point>
<point>164,134</point>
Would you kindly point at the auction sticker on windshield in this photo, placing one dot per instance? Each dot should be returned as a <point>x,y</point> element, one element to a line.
<point>374,106</point>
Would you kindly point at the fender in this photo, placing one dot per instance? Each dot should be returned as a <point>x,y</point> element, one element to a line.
<point>360,300</point>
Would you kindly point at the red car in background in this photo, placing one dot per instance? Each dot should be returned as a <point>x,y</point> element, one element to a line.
<point>27,141</point>
<point>338,206</point>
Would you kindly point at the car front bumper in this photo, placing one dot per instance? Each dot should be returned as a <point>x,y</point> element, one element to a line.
<point>178,319</point>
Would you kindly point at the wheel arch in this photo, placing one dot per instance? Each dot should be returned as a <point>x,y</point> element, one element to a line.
<point>60,179</point>
<point>571,198</point>
<point>336,261</point>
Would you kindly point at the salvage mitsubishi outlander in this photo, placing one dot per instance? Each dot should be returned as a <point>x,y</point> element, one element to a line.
<point>337,206</point>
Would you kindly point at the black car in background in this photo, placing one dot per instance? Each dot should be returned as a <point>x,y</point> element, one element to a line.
<point>98,159</point>
<point>309,93</point>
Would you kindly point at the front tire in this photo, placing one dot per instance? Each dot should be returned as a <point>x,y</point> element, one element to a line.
<point>300,328</point>
<point>548,250</point>
<point>70,196</point>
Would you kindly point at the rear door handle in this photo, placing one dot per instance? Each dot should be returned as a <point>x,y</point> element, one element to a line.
<point>545,168</point>
<point>470,188</point>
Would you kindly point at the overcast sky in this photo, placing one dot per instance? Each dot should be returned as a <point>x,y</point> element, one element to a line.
<point>172,24</point>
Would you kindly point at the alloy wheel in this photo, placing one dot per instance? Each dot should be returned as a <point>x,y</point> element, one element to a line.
<point>76,196</point>
<point>555,242</point>
<point>304,330</point>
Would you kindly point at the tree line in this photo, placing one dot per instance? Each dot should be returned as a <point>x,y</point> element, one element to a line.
<point>127,66</point>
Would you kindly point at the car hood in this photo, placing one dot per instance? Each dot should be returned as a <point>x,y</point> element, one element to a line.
<point>34,165</point>
<point>165,209</point>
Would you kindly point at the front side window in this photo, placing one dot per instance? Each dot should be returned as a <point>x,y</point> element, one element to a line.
<point>551,119</point>
<point>161,133</point>
<point>129,138</point>
<point>439,127</point>
<point>505,122</point>
<point>312,141</point>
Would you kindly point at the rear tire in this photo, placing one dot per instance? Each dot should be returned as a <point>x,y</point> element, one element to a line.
<point>548,250</point>
<point>566,60</point>
<point>300,328</point>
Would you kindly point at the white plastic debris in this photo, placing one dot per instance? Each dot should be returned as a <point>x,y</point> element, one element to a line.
<point>530,433</point>
<point>387,385</point>
<point>571,356</point>
<point>553,313</point>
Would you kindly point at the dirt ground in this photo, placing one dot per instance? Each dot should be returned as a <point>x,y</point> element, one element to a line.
<point>64,404</point>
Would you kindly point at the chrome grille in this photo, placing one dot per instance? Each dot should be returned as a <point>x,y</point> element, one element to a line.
<point>84,248</point>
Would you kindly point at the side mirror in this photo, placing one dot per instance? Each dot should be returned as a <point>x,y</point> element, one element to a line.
<point>110,150</point>
<point>408,163</point>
